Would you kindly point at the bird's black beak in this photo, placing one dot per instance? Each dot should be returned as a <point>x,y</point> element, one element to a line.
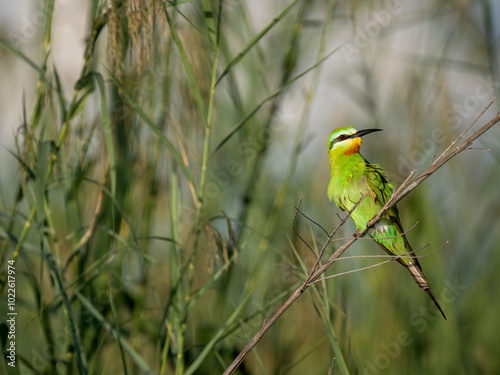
<point>361,133</point>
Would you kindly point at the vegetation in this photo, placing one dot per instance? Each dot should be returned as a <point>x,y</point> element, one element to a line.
<point>148,192</point>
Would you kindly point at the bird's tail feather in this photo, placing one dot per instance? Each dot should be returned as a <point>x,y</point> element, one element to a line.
<point>413,266</point>
<point>419,277</point>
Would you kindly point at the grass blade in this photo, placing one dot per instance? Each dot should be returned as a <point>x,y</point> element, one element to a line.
<point>256,39</point>
<point>138,360</point>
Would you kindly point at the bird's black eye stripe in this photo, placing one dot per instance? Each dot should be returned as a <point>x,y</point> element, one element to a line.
<point>341,137</point>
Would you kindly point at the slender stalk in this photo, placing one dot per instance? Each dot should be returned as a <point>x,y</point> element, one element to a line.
<point>207,136</point>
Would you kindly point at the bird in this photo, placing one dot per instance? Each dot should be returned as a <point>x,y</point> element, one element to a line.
<point>352,178</point>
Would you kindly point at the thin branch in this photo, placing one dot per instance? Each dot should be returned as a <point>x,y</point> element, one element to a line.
<point>406,255</point>
<point>297,233</point>
<point>330,237</point>
<point>379,238</point>
<point>309,219</point>
<point>356,270</point>
<point>393,257</point>
<point>330,370</point>
<point>467,128</point>
<point>408,185</point>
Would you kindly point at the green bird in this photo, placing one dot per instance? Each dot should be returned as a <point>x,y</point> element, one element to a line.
<point>352,178</point>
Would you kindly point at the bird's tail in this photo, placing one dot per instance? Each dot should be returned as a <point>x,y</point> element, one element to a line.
<point>419,277</point>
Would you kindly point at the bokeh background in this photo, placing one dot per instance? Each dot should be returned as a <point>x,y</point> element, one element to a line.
<point>153,153</point>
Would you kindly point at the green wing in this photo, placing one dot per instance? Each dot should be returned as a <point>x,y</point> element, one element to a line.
<point>379,183</point>
<point>382,189</point>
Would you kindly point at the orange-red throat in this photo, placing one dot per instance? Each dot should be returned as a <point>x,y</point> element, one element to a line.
<point>354,146</point>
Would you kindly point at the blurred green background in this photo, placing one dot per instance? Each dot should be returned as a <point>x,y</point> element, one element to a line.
<point>153,154</point>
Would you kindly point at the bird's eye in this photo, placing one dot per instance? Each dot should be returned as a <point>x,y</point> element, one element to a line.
<point>341,137</point>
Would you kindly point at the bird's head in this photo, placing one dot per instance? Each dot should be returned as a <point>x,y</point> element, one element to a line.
<point>347,141</point>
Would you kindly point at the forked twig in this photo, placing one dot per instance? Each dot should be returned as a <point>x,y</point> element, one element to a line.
<point>297,210</point>
<point>330,370</point>
<point>297,233</point>
<point>408,185</point>
<point>330,237</point>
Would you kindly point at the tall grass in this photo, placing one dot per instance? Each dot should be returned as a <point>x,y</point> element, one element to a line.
<point>150,210</point>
